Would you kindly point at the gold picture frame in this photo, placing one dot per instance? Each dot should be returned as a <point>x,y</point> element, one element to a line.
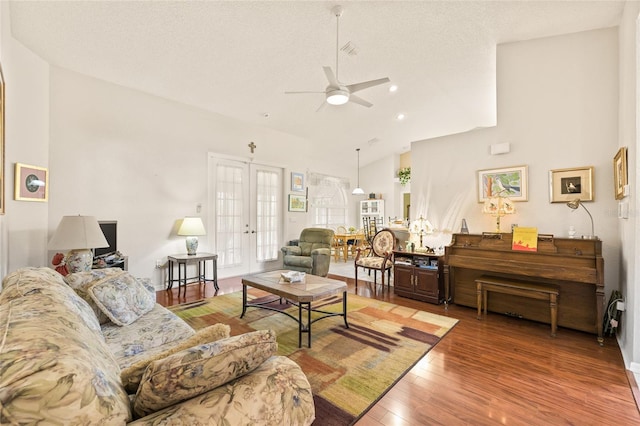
<point>620,178</point>
<point>568,184</point>
<point>32,183</point>
<point>2,173</point>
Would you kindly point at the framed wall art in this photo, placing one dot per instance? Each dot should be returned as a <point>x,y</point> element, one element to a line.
<point>569,184</point>
<point>507,182</point>
<point>620,178</point>
<point>32,183</point>
<point>297,203</point>
<point>297,182</point>
<point>2,172</point>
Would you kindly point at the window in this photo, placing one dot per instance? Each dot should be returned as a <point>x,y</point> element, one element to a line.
<point>328,201</point>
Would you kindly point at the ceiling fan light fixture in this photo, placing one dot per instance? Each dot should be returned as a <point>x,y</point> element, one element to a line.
<point>337,97</point>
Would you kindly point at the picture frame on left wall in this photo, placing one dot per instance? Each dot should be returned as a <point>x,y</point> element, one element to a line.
<point>297,203</point>
<point>2,172</point>
<point>32,183</point>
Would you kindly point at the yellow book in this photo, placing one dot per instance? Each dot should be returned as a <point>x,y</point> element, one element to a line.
<point>525,239</point>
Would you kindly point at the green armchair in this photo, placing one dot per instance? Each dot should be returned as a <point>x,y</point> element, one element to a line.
<point>312,254</point>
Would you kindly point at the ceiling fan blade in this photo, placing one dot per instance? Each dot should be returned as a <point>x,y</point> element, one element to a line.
<point>298,93</point>
<point>366,84</point>
<point>333,81</point>
<point>358,100</point>
<point>322,105</point>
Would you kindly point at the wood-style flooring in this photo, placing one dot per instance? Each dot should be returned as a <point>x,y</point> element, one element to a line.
<point>498,370</point>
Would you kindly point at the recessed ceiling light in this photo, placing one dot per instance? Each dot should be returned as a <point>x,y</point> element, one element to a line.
<point>393,88</point>
<point>400,116</point>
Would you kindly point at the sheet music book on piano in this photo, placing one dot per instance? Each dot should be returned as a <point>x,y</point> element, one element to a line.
<point>525,239</point>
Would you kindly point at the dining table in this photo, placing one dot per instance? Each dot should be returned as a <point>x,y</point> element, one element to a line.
<point>347,240</point>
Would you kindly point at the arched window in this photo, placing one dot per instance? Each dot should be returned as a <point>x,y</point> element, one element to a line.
<point>327,201</point>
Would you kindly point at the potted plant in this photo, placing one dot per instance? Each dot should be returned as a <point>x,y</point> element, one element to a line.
<point>404,174</point>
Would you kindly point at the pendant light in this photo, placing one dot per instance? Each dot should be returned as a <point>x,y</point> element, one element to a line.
<point>358,190</point>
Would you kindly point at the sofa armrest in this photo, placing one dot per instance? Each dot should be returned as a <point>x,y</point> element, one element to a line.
<point>321,261</point>
<point>291,250</point>
<point>277,388</point>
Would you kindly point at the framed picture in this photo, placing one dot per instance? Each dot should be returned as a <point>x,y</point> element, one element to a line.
<point>620,178</point>
<point>32,183</point>
<point>297,182</point>
<point>2,173</point>
<point>297,203</point>
<point>568,184</point>
<point>507,182</point>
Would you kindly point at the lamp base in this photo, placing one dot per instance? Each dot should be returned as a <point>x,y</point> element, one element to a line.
<point>192,245</point>
<point>79,260</point>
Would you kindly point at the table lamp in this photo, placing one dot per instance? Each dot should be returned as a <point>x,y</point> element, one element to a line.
<point>192,227</point>
<point>573,205</point>
<point>498,206</point>
<point>78,234</point>
<point>421,227</point>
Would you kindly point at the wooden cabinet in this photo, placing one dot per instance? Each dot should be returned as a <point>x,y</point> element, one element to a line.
<point>374,210</point>
<point>418,276</point>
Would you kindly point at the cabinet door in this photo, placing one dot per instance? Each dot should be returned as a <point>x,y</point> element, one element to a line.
<point>402,275</point>
<point>427,282</point>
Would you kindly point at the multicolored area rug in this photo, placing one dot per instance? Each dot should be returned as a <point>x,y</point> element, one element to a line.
<point>349,369</point>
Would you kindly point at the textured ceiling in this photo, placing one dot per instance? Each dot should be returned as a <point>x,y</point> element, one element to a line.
<point>238,58</point>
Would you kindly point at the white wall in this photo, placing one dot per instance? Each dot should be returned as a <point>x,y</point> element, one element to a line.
<point>628,136</point>
<point>558,108</point>
<point>120,154</point>
<point>23,228</point>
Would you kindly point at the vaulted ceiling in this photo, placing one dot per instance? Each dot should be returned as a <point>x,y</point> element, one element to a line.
<point>237,58</point>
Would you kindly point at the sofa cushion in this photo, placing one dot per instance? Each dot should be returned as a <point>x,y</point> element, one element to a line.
<point>82,281</point>
<point>28,281</point>
<point>275,393</point>
<point>53,367</point>
<point>194,371</point>
<point>131,375</point>
<point>122,298</point>
<point>154,332</point>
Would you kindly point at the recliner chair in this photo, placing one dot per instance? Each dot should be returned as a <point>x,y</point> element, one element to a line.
<point>312,254</point>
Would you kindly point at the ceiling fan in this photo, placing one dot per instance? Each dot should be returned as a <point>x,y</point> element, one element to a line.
<point>337,93</point>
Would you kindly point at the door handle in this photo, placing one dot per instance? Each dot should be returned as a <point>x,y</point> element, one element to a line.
<point>253,232</point>
<point>245,232</point>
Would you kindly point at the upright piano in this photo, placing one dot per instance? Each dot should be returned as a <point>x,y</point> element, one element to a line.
<point>575,266</point>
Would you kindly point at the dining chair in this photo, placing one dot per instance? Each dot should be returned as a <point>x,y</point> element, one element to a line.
<point>380,258</point>
<point>338,246</point>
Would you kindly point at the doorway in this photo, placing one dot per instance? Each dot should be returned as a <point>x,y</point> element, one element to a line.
<point>245,205</point>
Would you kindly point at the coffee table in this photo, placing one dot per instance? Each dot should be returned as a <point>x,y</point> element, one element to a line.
<point>313,289</point>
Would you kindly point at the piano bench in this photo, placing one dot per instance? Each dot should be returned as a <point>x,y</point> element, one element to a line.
<point>485,284</point>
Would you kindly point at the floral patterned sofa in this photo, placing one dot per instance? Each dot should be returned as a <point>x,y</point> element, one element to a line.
<point>95,348</point>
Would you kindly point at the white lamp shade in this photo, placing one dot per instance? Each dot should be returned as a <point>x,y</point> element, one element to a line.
<point>78,232</point>
<point>192,226</point>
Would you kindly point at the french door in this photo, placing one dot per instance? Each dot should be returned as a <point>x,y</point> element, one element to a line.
<point>246,208</point>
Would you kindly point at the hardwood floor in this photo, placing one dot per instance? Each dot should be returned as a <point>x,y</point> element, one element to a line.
<point>498,370</point>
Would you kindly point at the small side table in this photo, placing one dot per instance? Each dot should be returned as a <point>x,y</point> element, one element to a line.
<point>182,260</point>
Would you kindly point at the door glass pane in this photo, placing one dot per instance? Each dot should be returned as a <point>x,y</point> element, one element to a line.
<point>229,217</point>
<point>267,202</point>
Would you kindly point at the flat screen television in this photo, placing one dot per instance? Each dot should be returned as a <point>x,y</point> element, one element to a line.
<point>110,231</point>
